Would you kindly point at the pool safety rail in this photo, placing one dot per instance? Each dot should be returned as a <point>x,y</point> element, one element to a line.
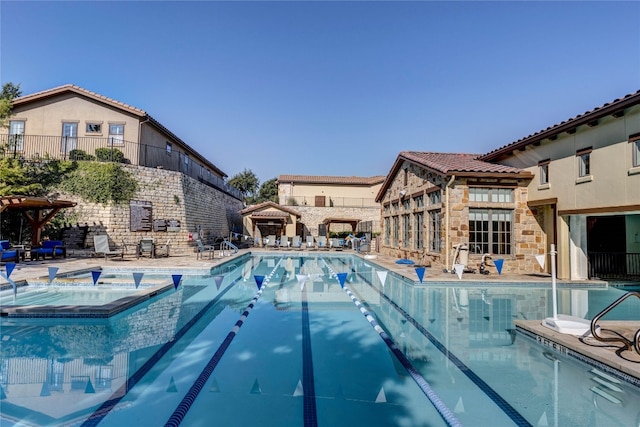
<point>446,413</point>
<point>619,338</point>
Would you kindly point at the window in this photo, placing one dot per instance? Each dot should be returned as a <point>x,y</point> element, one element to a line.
<point>435,198</point>
<point>395,230</point>
<point>635,146</point>
<point>584,162</point>
<point>387,231</point>
<point>116,134</point>
<point>387,209</point>
<point>394,207</point>
<point>434,231</point>
<point>419,224</point>
<point>93,127</point>
<point>495,195</point>
<point>490,231</point>
<point>16,132</point>
<point>406,177</point>
<point>185,163</point>
<point>418,201</point>
<point>201,171</point>
<point>169,148</point>
<point>544,172</point>
<point>406,204</point>
<point>69,137</point>
<point>406,230</point>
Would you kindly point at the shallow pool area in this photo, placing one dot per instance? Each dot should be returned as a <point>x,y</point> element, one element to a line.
<point>312,340</point>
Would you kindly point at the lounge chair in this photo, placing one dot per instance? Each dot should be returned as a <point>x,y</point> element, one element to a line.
<point>296,243</point>
<point>101,247</point>
<point>202,248</point>
<point>310,244</point>
<point>52,248</point>
<point>271,241</point>
<point>8,253</point>
<point>284,242</point>
<point>163,250</point>
<point>322,242</point>
<point>147,247</point>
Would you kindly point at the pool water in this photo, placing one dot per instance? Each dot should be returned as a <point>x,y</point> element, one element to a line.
<point>300,352</point>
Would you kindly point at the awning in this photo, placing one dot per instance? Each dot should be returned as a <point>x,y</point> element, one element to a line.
<point>25,204</point>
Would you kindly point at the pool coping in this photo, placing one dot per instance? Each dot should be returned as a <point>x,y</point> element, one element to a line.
<point>599,355</point>
<point>85,311</point>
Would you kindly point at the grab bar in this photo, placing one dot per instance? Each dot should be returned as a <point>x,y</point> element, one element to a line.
<point>635,344</point>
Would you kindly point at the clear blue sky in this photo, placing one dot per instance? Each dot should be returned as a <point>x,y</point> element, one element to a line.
<point>331,88</point>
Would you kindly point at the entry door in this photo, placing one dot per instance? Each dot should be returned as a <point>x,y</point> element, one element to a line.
<point>69,138</point>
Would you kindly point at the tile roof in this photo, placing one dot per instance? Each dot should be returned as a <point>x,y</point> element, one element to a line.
<point>455,163</point>
<point>264,205</point>
<point>117,104</point>
<point>615,106</point>
<point>320,179</point>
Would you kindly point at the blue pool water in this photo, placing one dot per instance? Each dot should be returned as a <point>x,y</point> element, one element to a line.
<point>216,351</point>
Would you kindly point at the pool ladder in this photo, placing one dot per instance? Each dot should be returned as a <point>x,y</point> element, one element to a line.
<point>629,344</point>
<point>226,245</point>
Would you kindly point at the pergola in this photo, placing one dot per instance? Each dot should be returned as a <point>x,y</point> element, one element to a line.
<point>37,210</point>
<point>350,221</point>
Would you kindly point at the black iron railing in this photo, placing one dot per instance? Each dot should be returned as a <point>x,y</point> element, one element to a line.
<point>110,149</point>
<point>614,265</point>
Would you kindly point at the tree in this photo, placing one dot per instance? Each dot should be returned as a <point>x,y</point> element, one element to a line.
<point>247,182</point>
<point>268,191</point>
<point>9,91</point>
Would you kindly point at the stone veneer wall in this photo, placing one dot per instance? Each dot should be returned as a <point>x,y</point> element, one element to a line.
<point>198,207</point>
<point>528,236</point>
<point>312,216</point>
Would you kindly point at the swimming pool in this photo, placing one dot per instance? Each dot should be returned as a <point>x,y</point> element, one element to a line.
<point>300,352</point>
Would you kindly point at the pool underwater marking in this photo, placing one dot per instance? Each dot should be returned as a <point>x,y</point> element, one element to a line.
<point>370,275</point>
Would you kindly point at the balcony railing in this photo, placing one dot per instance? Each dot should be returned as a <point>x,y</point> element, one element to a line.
<point>614,265</point>
<point>329,202</point>
<point>39,147</point>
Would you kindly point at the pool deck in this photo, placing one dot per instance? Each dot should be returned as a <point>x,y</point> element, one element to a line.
<point>604,357</point>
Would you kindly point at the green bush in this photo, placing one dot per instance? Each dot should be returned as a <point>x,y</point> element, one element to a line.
<point>80,155</point>
<point>101,183</point>
<point>110,155</point>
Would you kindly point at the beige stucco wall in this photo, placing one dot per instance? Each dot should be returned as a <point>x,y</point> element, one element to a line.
<point>310,191</point>
<point>614,181</point>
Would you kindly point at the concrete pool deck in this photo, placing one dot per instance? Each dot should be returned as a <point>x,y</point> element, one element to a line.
<point>586,349</point>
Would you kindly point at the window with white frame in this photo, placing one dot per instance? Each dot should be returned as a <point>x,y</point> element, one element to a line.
<point>168,148</point>
<point>543,168</point>
<point>116,133</point>
<point>495,195</point>
<point>635,146</point>
<point>584,162</point>
<point>490,231</point>
<point>16,135</point>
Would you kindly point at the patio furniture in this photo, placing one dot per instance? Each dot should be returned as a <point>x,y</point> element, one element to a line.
<point>146,247</point>
<point>202,248</point>
<point>52,248</point>
<point>163,250</point>
<point>101,247</point>
<point>9,253</point>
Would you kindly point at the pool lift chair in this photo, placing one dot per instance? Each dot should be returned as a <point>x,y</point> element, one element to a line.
<point>461,257</point>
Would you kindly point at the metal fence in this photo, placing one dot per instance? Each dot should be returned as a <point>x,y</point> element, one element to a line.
<point>39,147</point>
<point>614,265</point>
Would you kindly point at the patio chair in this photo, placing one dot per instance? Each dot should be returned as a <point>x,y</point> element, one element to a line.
<point>310,243</point>
<point>101,247</point>
<point>271,241</point>
<point>52,248</point>
<point>322,242</point>
<point>284,242</point>
<point>8,253</point>
<point>147,247</point>
<point>163,250</point>
<point>201,248</point>
<point>296,243</point>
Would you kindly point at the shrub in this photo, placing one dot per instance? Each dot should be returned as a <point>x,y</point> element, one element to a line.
<point>110,155</point>
<point>80,155</point>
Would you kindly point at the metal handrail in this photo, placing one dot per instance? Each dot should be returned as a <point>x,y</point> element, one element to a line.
<point>635,344</point>
<point>228,245</point>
